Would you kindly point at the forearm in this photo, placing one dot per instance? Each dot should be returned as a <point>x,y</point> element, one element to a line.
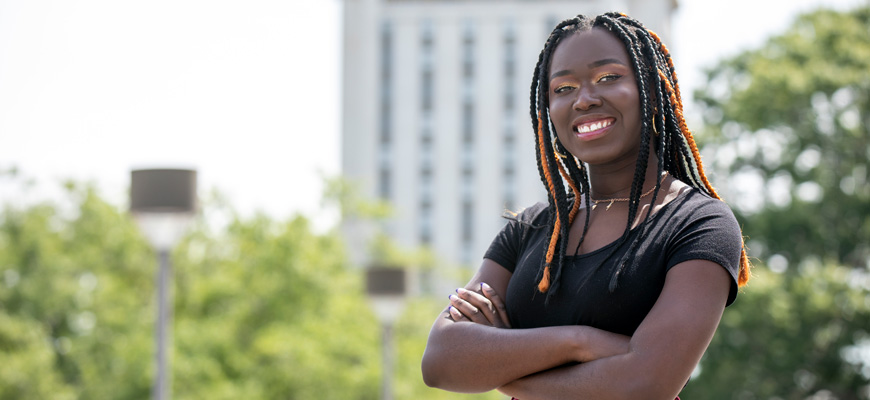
<point>623,376</point>
<point>468,357</point>
<point>664,349</point>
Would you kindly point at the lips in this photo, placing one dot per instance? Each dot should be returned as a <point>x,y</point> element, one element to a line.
<point>591,128</point>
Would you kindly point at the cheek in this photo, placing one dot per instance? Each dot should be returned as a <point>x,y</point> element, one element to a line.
<point>629,105</point>
<point>627,95</point>
<point>559,110</point>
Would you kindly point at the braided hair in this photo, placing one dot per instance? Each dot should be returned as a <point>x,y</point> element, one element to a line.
<point>675,146</point>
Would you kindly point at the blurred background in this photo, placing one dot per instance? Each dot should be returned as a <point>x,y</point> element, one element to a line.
<point>331,139</point>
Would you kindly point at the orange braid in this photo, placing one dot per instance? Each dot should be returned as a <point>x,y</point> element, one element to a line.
<point>576,206</point>
<point>545,280</point>
<point>667,55</point>
<point>684,129</point>
<point>745,274</point>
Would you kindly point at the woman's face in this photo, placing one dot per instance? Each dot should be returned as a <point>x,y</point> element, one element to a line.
<point>594,101</point>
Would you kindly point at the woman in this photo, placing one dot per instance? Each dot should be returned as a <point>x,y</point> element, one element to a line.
<point>615,288</point>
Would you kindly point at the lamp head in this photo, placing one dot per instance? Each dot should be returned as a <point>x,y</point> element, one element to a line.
<point>163,201</point>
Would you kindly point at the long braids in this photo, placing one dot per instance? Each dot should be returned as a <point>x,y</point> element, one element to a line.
<point>662,113</point>
<point>558,218</point>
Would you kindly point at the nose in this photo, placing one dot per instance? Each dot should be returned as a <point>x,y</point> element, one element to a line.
<point>586,98</point>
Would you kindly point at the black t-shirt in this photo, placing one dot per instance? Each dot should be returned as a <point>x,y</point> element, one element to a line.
<point>692,226</point>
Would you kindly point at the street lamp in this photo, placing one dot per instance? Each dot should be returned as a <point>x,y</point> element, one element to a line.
<point>163,202</point>
<point>387,288</point>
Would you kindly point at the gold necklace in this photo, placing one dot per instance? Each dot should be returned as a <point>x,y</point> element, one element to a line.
<point>614,200</point>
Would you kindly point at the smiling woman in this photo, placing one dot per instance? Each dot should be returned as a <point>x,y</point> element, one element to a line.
<point>623,304</point>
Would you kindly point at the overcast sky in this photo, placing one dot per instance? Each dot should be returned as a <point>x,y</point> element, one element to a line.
<point>246,92</point>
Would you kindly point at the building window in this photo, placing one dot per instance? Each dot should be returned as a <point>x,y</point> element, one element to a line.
<point>426,207</point>
<point>468,123</point>
<point>427,90</point>
<point>386,115</point>
<point>467,221</point>
<point>510,195</point>
<point>509,159</point>
<point>510,50</point>
<point>467,149</point>
<point>427,96</point>
<point>384,183</point>
<point>426,125</point>
<point>426,229</point>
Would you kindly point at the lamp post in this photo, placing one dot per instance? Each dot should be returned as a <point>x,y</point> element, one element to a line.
<point>387,288</point>
<point>163,202</point>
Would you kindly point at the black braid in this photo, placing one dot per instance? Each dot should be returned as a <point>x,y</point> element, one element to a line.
<point>608,21</point>
<point>643,48</point>
<point>537,104</point>
<point>560,198</point>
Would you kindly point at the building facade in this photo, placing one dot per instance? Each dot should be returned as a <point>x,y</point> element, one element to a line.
<point>435,113</point>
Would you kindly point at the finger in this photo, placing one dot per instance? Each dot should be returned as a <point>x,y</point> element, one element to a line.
<point>455,314</point>
<point>469,311</point>
<point>481,303</point>
<point>497,302</point>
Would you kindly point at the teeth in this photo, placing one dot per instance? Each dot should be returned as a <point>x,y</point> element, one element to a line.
<point>585,128</point>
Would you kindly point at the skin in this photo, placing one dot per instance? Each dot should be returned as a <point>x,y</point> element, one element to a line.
<point>470,347</point>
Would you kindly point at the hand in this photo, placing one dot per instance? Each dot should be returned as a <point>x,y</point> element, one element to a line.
<point>485,308</point>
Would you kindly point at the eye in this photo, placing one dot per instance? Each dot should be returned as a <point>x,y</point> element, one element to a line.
<point>609,78</point>
<point>563,88</point>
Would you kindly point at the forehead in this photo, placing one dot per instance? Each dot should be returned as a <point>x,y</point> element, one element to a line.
<point>585,47</point>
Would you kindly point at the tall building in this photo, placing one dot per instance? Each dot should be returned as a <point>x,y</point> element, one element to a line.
<point>435,113</point>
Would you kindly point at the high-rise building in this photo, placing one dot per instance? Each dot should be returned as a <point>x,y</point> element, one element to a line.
<point>435,113</point>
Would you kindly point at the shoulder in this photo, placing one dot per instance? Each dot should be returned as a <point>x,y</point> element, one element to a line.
<point>696,214</point>
<point>534,216</point>
<point>704,228</point>
<point>696,205</point>
<point>511,242</point>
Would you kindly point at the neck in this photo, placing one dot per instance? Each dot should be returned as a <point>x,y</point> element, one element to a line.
<point>615,180</point>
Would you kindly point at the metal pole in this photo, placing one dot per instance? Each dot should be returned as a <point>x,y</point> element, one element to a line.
<point>387,379</point>
<point>161,383</point>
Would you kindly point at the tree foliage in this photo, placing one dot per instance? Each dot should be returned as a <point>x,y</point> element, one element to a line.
<point>76,291</point>
<point>263,309</point>
<point>792,119</point>
<point>792,336</point>
<point>790,123</point>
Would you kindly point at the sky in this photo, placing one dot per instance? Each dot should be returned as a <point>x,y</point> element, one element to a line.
<point>245,92</point>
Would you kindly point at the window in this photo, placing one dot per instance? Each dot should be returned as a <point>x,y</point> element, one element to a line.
<point>468,122</point>
<point>384,183</point>
<point>467,221</point>
<point>384,176</point>
<point>427,96</point>
<point>509,158</point>
<point>427,90</point>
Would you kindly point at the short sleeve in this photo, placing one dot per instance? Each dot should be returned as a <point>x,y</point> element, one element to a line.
<point>711,233</point>
<point>509,244</point>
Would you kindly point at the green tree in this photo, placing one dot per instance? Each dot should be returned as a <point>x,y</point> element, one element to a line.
<point>794,115</point>
<point>76,293</point>
<point>263,309</point>
<point>270,310</point>
<point>792,336</point>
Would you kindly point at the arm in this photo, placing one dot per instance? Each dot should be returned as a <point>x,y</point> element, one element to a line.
<point>463,356</point>
<point>663,351</point>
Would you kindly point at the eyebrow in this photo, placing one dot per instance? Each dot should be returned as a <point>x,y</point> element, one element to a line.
<point>605,61</point>
<point>559,73</point>
<point>591,65</point>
